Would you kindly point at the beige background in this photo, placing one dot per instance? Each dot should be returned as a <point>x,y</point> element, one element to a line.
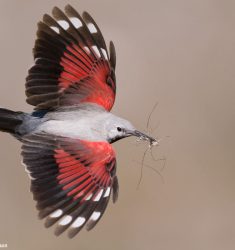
<point>179,53</point>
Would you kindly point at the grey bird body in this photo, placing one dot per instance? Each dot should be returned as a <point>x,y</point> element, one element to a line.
<point>85,121</point>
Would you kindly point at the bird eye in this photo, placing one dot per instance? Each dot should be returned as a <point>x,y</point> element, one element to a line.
<point>119,129</point>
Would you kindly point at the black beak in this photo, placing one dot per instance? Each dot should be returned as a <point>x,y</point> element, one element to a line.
<point>143,136</point>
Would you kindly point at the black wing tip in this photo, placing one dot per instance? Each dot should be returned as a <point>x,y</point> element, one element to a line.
<point>57,12</point>
<point>86,15</point>
<point>112,44</point>
<point>72,234</point>
<point>69,9</point>
<point>115,189</point>
<point>113,56</point>
<point>59,230</point>
<point>47,224</point>
<point>45,18</point>
<point>55,9</point>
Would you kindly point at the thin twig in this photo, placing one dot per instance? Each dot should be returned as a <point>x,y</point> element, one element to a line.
<point>142,167</point>
<point>152,168</point>
<point>160,159</point>
<point>150,114</point>
<point>164,164</point>
<point>155,127</point>
<point>156,171</point>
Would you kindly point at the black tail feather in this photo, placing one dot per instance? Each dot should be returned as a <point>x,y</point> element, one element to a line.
<point>10,120</point>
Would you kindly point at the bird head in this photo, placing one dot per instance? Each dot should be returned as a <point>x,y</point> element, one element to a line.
<point>118,128</point>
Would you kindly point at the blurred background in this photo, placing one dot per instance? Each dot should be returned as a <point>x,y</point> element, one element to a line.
<point>180,54</point>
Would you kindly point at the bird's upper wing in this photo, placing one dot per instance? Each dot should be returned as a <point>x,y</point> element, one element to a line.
<point>72,63</point>
<point>71,179</point>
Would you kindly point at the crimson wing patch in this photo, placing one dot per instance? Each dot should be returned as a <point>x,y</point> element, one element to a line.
<point>72,63</point>
<point>71,180</point>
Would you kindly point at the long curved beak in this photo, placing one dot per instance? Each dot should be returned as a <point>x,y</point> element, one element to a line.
<point>143,136</point>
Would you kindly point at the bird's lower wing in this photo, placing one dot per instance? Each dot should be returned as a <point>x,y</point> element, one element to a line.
<point>71,179</point>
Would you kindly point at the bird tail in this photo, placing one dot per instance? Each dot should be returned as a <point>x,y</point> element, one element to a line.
<point>10,120</point>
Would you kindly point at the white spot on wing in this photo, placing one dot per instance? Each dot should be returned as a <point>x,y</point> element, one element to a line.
<point>104,53</point>
<point>36,59</point>
<point>76,22</point>
<point>89,197</point>
<point>98,196</point>
<point>95,215</point>
<point>107,192</point>
<point>94,47</point>
<point>92,28</point>
<point>63,24</point>
<point>66,220</point>
<point>57,213</point>
<point>78,222</point>
<point>86,49</point>
<point>55,29</point>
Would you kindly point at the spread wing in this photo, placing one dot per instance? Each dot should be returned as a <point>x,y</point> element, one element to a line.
<point>72,63</point>
<point>71,180</point>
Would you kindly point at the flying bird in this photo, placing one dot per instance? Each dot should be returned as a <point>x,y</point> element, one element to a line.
<point>67,140</point>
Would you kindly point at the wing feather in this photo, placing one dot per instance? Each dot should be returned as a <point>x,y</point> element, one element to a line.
<point>72,180</point>
<point>72,63</point>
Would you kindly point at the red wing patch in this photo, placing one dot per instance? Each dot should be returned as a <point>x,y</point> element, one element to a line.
<point>71,180</point>
<point>74,172</point>
<point>101,94</point>
<point>72,63</point>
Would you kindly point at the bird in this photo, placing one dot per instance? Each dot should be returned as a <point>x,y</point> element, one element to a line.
<point>67,139</point>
